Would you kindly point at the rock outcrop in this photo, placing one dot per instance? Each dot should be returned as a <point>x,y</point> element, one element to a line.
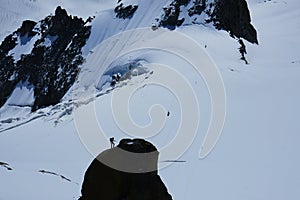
<point>108,176</point>
<point>125,12</point>
<point>50,62</point>
<point>232,16</point>
<point>171,19</point>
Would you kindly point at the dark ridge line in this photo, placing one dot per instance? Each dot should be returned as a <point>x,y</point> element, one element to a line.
<point>17,125</point>
<point>20,106</point>
<point>5,165</point>
<point>55,174</point>
<point>175,161</point>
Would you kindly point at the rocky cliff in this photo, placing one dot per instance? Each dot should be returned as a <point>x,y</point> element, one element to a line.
<point>101,181</point>
<point>46,54</point>
<point>232,16</point>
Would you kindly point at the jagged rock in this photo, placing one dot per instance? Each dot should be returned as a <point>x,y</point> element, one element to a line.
<point>53,63</point>
<point>197,8</point>
<point>7,68</point>
<point>103,182</point>
<point>234,16</point>
<point>229,15</point>
<point>170,18</point>
<point>27,27</point>
<point>125,11</point>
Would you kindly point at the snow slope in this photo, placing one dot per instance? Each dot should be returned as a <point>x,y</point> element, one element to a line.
<point>257,154</point>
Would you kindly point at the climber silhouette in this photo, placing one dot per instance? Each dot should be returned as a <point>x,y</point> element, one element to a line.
<point>112,142</point>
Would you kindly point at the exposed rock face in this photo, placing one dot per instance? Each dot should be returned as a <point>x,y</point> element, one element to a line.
<point>125,11</point>
<point>27,28</point>
<point>52,64</point>
<point>197,8</point>
<point>170,18</point>
<point>104,182</point>
<point>232,16</point>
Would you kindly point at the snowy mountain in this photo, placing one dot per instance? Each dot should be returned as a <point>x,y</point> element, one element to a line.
<point>47,54</point>
<point>60,71</point>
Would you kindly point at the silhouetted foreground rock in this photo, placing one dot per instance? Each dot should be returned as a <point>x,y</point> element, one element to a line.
<point>104,182</point>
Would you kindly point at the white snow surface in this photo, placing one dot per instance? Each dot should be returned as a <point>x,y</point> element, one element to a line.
<point>23,95</point>
<point>25,46</point>
<point>257,154</point>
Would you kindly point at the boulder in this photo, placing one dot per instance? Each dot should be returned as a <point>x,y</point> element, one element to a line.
<point>128,171</point>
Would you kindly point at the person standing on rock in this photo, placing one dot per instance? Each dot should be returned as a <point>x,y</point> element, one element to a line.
<point>112,142</point>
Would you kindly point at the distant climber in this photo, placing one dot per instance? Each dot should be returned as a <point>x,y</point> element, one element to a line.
<point>112,142</point>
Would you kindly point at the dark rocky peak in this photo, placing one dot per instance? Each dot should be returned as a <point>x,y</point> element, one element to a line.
<point>61,13</point>
<point>27,28</point>
<point>53,63</point>
<point>103,181</point>
<point>233,16</point>
<point>61,22</point>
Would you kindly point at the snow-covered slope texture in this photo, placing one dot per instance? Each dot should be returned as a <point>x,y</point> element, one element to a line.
<point>256,156</point>
<point>231,16</point>
<point>58,40</point>
<point>47,54</point>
